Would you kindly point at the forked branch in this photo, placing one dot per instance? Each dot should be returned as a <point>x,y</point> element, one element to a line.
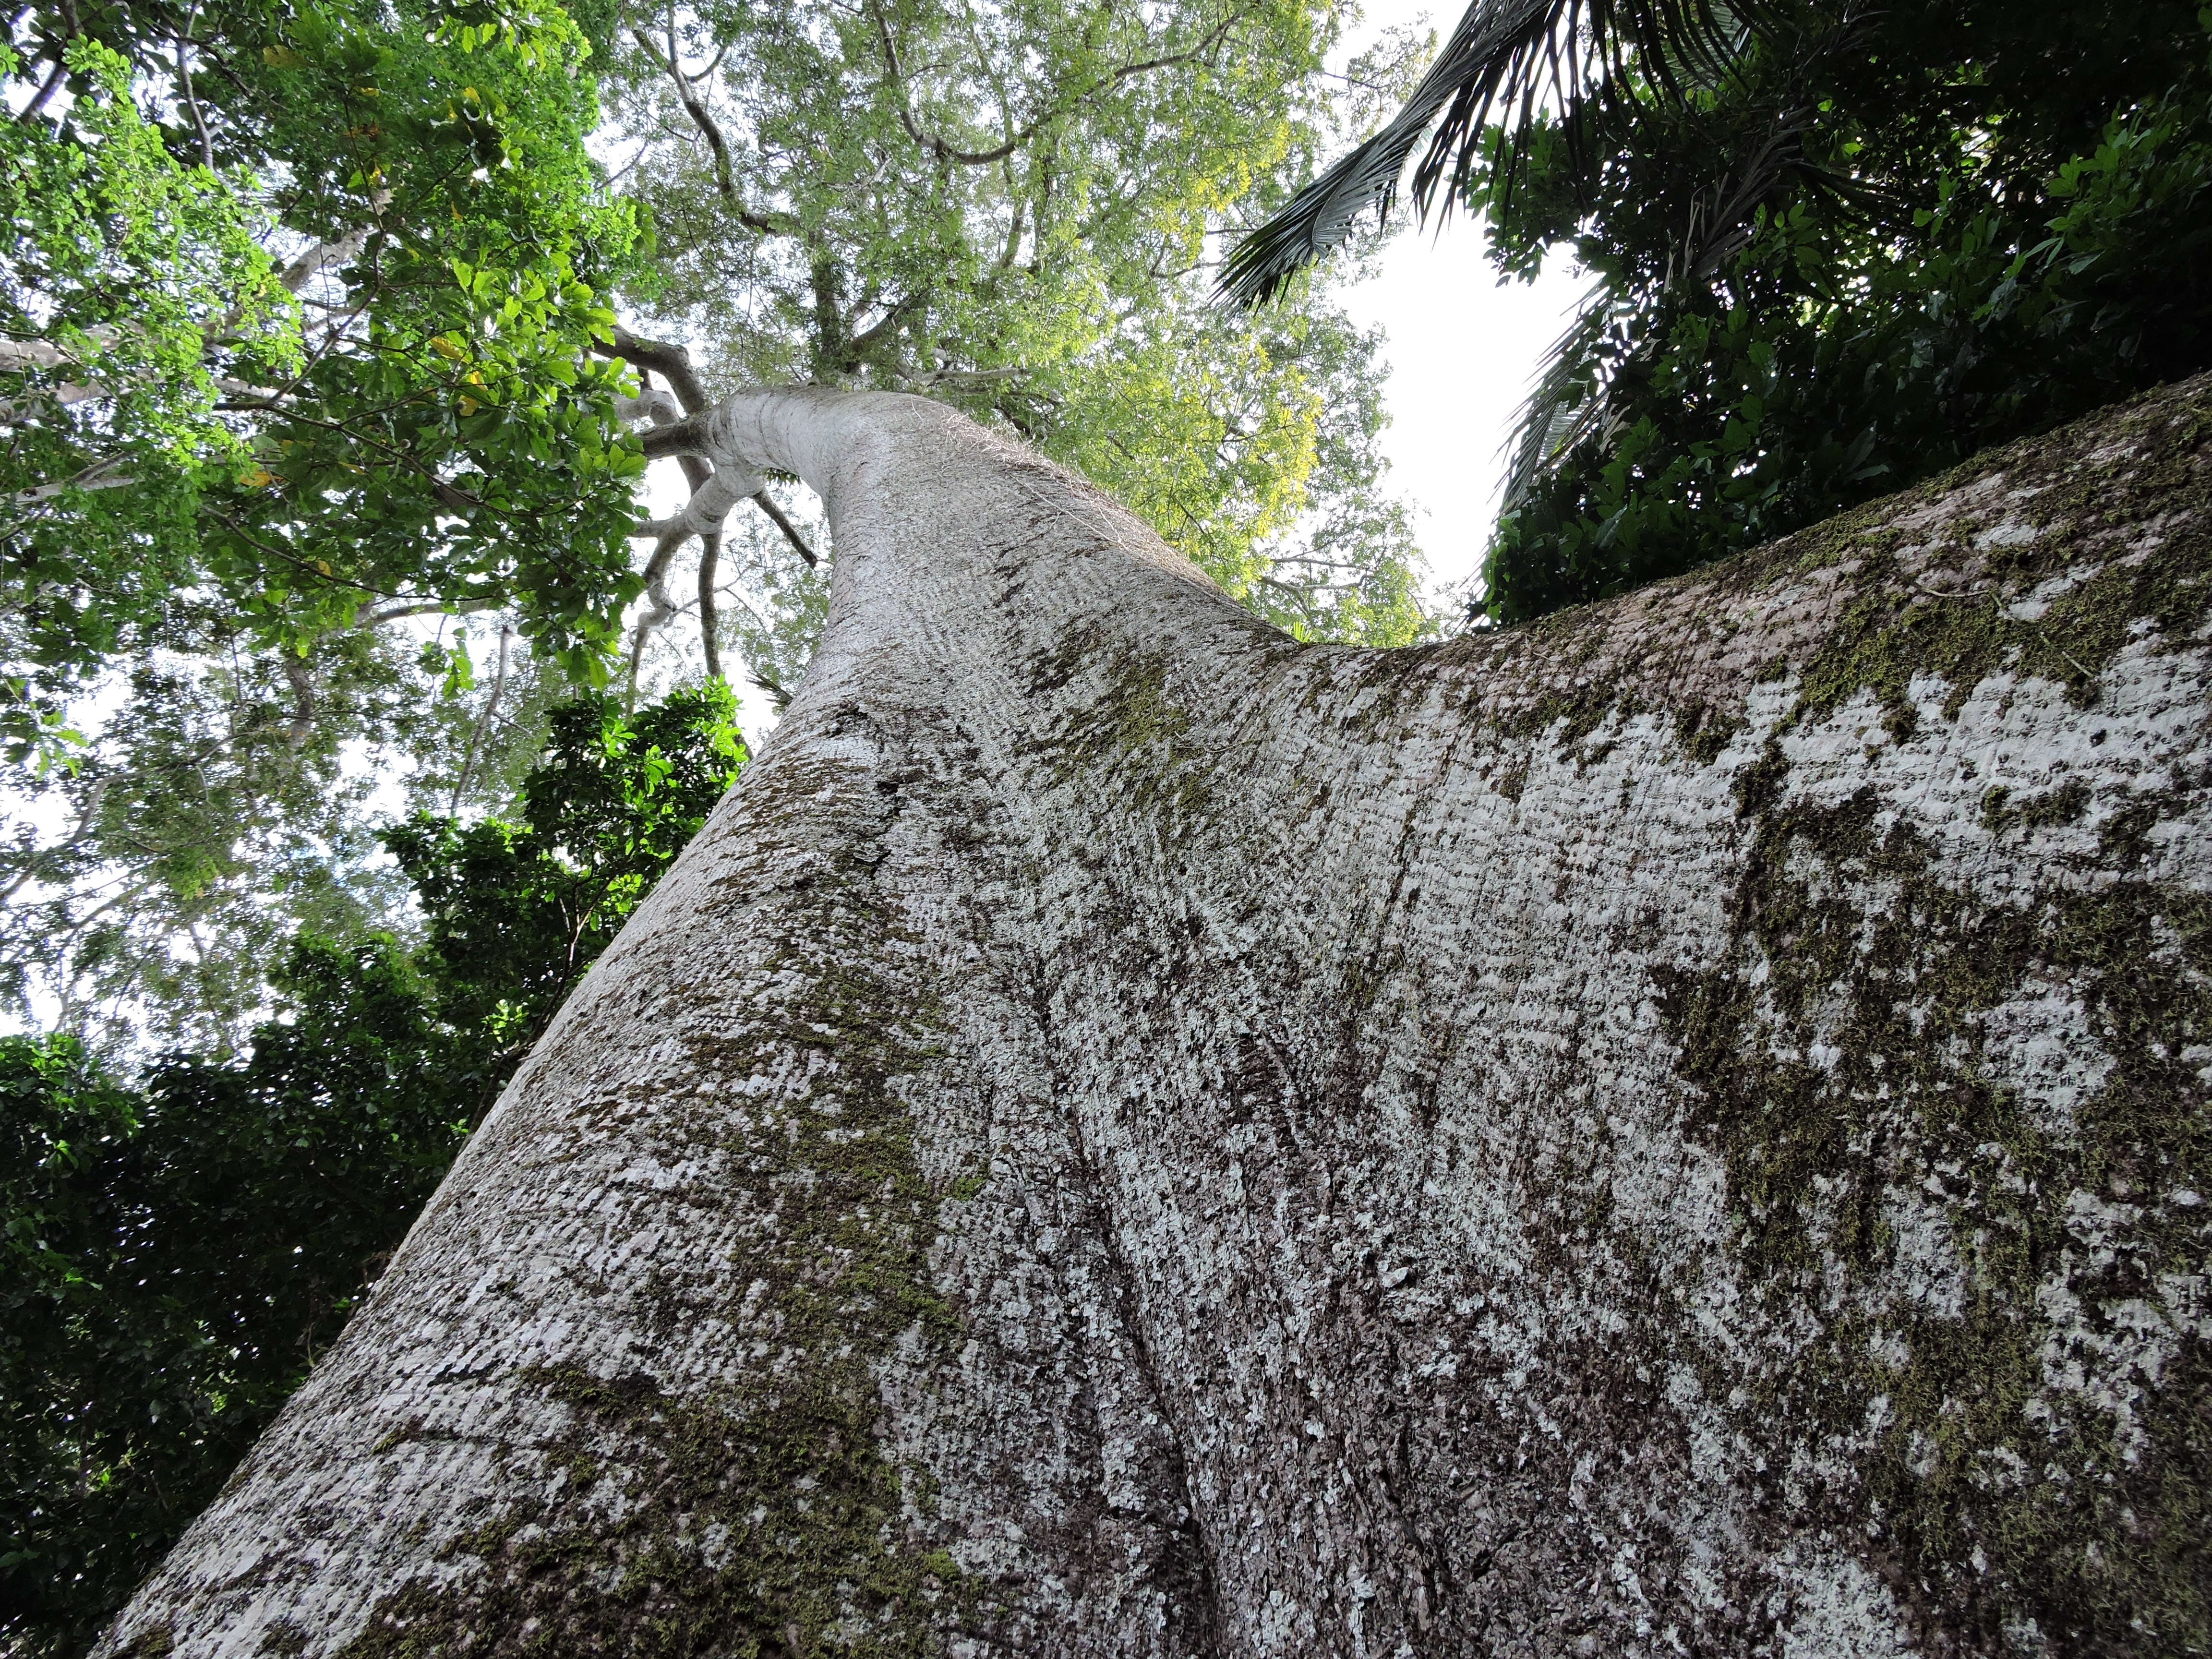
<point>687,93</point>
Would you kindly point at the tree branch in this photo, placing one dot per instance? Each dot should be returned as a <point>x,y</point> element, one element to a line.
<point>686,437</point>
<point>930,143</point>
<point>703,119</point>
<point>710,554</point>
<point>296,676</point>
<point>52,85</point>
<point>192,101</point>
<point>687,440</point>
<point>860,342</point>
<point>662,608</point>
<point>319,257</point>
<point>94,477</point>
<point>476,737</point>
<point>85,815</point>
<point>936,146</point>
<point>672,362</point>
<point>422,608</point>
<point>766,502</point>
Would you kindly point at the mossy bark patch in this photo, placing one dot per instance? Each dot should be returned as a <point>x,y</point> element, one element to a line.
<point>1839,1058</point>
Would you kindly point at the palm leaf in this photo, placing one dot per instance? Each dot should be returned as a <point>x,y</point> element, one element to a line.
<point>1504,54</point>
<point>1566,403</point>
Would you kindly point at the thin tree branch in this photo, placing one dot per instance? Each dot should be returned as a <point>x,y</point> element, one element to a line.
<point>694,108</point>
<point>192,101</point>
<point>92,477</point>
<point>860,342</point>
<point>85,815</point>
<point>321,257</point>
<point>296,676</point>
<point>725,182</point>
<point>767,504</point>
<point>662,609</point>
<point>710,553</point>
<point>422,608</point>
<point>929,142</point>
<point>476,737</point>
<point>52,85</point>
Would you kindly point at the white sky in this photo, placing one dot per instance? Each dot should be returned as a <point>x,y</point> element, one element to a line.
<point>1462,352</point>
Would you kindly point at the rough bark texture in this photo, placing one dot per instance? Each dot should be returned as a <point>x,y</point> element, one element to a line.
<point>1680,1129</point>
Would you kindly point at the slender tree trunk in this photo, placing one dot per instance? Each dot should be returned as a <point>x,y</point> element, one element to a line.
<point>1679,1128</point>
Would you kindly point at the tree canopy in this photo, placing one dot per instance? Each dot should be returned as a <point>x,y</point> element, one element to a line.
<point>1011,207</point>
<point>299,310</point>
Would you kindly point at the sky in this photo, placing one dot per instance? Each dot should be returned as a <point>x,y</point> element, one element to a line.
<point>1462,353</point>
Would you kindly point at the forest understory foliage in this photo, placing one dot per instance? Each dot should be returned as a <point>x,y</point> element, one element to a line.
<point>328,370</point>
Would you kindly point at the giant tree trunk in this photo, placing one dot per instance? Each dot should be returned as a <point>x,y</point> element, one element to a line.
<point>1679,1128</point>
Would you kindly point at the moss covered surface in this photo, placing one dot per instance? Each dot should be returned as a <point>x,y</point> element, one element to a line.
<point>2007,1481</point>
<point>2043,558</point>
<point>759,1516</point>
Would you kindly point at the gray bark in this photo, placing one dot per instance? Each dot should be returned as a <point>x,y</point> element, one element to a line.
<point>1679,1128</point>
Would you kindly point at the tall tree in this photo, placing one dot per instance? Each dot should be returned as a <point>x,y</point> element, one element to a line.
<point>1680,1126</point>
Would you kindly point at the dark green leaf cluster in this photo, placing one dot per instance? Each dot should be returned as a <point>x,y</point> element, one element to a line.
<point>177,1255</point>
<point>1884,240</point>
<point>517,909</point>
<point>173,1256</point>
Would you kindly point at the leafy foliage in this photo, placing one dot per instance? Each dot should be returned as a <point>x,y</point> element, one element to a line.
<point>1874,250</point>
<point>517,910</point>
<point>173,1256</point>
<point>1584,56</point>
<point>1837,248</point>
<point>313,331</point>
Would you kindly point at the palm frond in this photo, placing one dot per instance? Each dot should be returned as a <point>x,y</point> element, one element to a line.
<point>1566,403</point>
<point>1504,55</point>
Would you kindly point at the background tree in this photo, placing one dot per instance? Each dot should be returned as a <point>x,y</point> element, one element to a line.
<point>1835,249</point>
<point>1009,207</point>
<point>178,1251</point>
<point>299,314</point>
